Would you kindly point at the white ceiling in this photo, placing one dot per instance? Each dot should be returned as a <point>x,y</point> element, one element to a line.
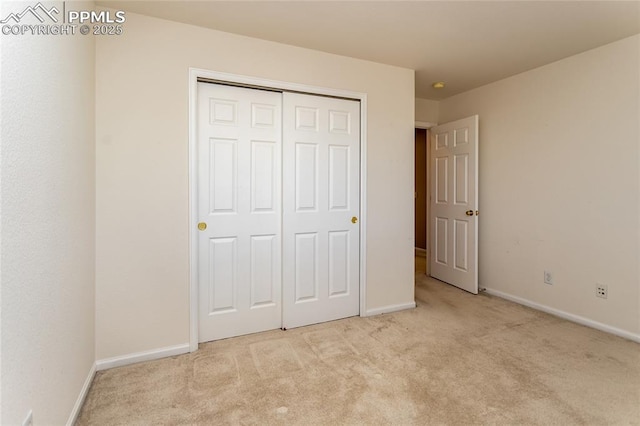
<point>465,43</point>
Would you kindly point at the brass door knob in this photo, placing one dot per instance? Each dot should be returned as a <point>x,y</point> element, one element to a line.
<point>202,226</point>
<point>354,220</point>
<point>469,212</point>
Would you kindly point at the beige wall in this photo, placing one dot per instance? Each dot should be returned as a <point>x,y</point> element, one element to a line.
<point>142,277</point>
<point>559,182</point>
<point>427,110</point>
<point>48,223</point>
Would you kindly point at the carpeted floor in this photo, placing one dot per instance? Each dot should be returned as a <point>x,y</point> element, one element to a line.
<point>456,359</point>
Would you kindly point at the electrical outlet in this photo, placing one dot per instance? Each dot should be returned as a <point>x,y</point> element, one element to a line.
<point>602,290</point>
<point>548,278</point>
<point>28,421</point>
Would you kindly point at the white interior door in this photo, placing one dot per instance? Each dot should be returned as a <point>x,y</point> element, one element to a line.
<point>239,187</point>
<point>454,203</point>
<point>321,172</point>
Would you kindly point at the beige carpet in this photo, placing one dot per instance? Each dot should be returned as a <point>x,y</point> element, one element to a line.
<point>456,359</point>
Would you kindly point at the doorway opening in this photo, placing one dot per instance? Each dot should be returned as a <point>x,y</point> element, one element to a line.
<point>422,192</point>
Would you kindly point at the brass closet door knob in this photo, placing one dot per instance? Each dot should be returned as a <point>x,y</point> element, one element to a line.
<point>202,226</point>
<point>354,220</point>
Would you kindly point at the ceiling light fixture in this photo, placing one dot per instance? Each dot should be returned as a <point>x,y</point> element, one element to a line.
<point>438,85</point>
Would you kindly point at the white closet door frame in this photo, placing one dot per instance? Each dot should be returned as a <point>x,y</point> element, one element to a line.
<point>247,81</point>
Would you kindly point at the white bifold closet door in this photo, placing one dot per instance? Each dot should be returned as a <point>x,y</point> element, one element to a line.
<point>268,257</point>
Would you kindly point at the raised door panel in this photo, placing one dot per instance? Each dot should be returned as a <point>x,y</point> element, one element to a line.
<point>441,180</point>
<point>461,244</point>
<point>461,179</point>
<point>306,267</point>
<point>339,279</point>
<point>441,239</point>
<point>306,178</point>
<point>223,263</point>
<point>264,283</point>
<point>339,185</point>
<point>223,175</point>
<point>264,175</point>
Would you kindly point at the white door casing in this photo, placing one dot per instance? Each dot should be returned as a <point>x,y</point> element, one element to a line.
<point>239,199</point>
<point>321,175</point>
<point>454,203</point>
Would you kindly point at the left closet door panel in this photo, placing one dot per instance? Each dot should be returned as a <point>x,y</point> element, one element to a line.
<point>240,209</point>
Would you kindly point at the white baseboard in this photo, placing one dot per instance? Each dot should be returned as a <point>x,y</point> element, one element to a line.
<point>83,395</point>
<point>390,308</point>
<point>566,315</point>
<point>420,252</point>
<point>119,361</point>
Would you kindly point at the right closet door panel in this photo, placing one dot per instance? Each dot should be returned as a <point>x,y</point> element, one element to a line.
<point>321,208</point>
